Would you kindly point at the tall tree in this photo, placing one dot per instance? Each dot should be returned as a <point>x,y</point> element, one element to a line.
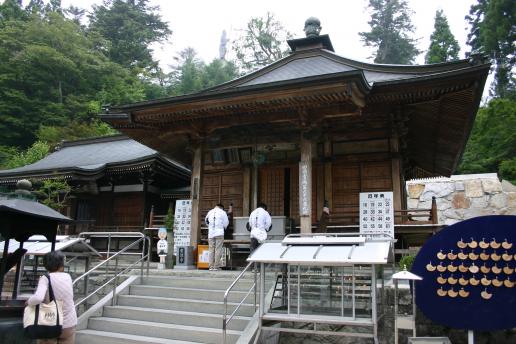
<point>390,28</point>
<point>130,27</point>
<point>443,45</point>
<point>191,74</point>
<point>492,144</point>
<point>51,73</point>
<point>187,75</point>
<point>262,42</point>
<point>12,10</point>
<point>76,13</point>
<point>493,31</point>
<point>218,72</point>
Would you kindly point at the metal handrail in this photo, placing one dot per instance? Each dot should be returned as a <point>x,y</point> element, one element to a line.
<point>225,319</point>
<point>144,257</point>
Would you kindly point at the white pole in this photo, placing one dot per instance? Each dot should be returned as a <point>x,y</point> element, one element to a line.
<point>414,308</point>
<point>395,311</point>
<point>471,337</point>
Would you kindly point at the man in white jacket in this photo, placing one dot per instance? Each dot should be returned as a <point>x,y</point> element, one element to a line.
<point>259,224</point>
<point>217,221</point>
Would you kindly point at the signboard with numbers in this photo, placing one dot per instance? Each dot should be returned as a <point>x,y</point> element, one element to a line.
<point>376,213</point>
<point>182,221</point>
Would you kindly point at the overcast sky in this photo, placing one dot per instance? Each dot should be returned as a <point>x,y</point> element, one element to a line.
<point>199,23</point>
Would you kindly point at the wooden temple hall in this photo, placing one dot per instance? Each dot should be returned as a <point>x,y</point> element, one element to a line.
<point>314,127</point>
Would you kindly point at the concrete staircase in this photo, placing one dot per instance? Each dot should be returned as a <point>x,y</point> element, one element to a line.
<point>173,307</point>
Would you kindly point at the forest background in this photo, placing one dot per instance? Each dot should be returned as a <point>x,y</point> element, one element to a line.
<point>58,71</point>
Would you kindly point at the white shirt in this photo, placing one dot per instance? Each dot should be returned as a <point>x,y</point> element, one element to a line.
<point>260,219</point>
<point>162,246</point>
<point>63,290</point>
<point>217,221</point>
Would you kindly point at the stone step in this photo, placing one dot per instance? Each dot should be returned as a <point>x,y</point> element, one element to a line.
<point>229,274</point>
<point>187,305</point>
<point>174,317</point>
<point>161,330</point>
<point>190,293</point>
<point>207,282</point>
<point>88,336</point>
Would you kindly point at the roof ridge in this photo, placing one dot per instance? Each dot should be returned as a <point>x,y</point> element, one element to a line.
<point>395,68</point>
<point>96,139</point>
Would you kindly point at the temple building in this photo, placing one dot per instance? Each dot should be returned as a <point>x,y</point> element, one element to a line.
<point>115,181</point>
<point>313,127</point>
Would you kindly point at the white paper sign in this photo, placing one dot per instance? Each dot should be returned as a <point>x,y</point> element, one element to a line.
<point>182,222</point>
<point>305,191</point>
<point>377,213</point>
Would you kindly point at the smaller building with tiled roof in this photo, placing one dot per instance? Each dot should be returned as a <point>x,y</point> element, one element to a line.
<point>115,180</point>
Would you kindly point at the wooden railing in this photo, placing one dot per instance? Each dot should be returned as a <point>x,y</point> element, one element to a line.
<point>347,218</point>
<point>117,228</point>
<point>401,217</point>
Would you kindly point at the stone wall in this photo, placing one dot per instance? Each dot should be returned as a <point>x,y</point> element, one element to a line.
<point>462,197</point>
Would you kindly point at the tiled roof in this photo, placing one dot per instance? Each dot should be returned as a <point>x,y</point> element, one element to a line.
<point>321,65</point>
<point>91,155</point>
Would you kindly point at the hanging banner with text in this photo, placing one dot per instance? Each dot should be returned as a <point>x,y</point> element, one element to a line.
<point>182,221</point>
<point>376,213</point>
<point>305,190</point>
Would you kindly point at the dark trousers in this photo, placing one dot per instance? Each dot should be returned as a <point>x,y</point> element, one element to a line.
<point>254,245</point>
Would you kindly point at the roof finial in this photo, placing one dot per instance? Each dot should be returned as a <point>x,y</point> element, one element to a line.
<point>312,27</point>
<point>23,187</point>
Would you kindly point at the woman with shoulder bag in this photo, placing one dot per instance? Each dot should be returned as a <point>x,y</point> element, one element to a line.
<point>63,290</point>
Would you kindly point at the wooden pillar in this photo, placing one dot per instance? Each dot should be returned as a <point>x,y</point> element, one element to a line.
<point>254,188</point>
<point>146,180</point>
<point>328,192</point>
<point>111,221</point>
<point>305,185</point>
<point>196,187</point>
<point>19,267</point>
<point>246,194</point>
<point>320,190</point>
<point>3,263</point>
<point>396,171</point>
<point>145,183</point>
<point>151,216</point>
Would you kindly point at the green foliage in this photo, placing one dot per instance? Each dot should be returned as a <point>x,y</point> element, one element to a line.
<point>407,261</point>
<point>191,74</point>
<point>443,45</point>
<point>262,42</point>
<point>492,144</point>
<point>130,27</point>
<point>52,73</point>
<point>53,192</point>
<point>390,26</point>
<point>169,220</point>
<point>218,72</point>
<point>187,74</point>
<point>36,152</point>
<point>6,154</point>
<point>53,135</point>
<point>11,10</point>
<point>493,31</point>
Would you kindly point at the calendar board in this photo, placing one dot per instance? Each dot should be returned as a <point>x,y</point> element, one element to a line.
<point>182,222</point>
<point>376,213</point>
